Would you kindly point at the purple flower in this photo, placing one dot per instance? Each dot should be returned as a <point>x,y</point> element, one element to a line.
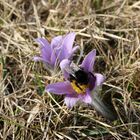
<point>61,47</point>
<point>73,91</point>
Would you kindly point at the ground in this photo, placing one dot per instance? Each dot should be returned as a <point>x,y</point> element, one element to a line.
<point>112,27</point>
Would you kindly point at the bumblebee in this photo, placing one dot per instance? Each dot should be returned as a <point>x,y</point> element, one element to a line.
<point>78,78</point>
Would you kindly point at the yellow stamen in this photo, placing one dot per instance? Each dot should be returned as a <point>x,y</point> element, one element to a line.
<point>79,88</point>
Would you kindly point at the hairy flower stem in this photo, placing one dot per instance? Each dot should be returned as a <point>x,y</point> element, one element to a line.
<point>103,108</point>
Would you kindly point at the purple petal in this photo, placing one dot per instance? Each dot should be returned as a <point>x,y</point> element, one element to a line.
<point>87,97</point>
<point>68,41</point>
<point>60,88</point>
<point>46,53</point>
<point>70,101</point>
<point>88,61</point>
<point>45,48</point>
<point>66,46</point>
<point>43,42</point>
<point>53,58</point>
<point>56,42</point>
<point>73,51</point>
<point>37,58</point>
<point>64,65</point>
<point>99,79</point>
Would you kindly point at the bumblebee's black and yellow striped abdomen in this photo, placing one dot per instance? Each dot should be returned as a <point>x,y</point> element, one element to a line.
<point>79,81</point>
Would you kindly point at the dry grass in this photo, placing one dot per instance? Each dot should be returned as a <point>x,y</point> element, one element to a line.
<point>110,26</point>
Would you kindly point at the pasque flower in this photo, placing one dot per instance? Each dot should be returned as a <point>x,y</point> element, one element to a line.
<point>79,84</point>
<point>61,47</point>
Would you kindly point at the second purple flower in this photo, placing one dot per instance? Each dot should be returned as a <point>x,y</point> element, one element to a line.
<point>60,48</point>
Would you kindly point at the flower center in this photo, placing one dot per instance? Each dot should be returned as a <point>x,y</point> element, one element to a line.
<point>79,80</point>
<point>79,88</point>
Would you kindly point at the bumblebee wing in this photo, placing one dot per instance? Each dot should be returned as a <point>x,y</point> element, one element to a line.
<point>71,69</point>
<point>74,67</point>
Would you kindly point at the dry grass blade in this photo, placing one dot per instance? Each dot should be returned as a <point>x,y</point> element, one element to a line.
<point>33,113</point>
